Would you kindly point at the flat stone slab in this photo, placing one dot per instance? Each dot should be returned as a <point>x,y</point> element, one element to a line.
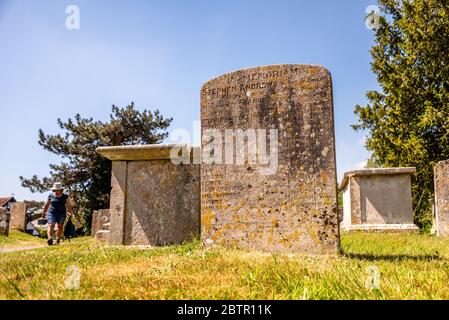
<point>375,171</point>
<point>383,227</point>
<point>145,152</point>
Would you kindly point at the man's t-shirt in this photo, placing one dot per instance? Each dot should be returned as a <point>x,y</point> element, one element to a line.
<point>57,206</point>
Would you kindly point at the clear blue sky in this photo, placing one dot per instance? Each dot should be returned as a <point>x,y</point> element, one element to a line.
<point>158,54</point>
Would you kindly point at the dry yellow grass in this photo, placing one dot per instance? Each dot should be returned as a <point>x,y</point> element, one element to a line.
<point>411,266</point>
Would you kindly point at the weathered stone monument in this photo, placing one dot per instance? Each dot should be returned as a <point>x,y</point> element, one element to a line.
<point>100,224</point>
<point>378,199</point>
<point>99,218</point>
<point>4,222</point>
<point>441,180</point>
<point>268,173</point>
<point>18,219</point>
<point>154,196</point>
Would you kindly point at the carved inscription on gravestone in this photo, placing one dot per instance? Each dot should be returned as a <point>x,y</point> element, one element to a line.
<point>278,192</point>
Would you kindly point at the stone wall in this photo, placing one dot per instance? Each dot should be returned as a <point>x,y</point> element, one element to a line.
<point>154,201</point>
<point>441,179</point>
<point>4,222</point>
<point>18,216</point>
<point>245,202</point>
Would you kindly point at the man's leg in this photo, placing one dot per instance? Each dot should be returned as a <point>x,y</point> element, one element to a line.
<point>50,233</point>
<point>60,232</point>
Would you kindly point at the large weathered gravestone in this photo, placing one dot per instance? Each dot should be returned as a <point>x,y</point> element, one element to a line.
<point>378,199</point>
<point>279,192</point>
<point>441,179</point>
<point>18,216</point>
<point>154,196</point>
<point>4,222</point>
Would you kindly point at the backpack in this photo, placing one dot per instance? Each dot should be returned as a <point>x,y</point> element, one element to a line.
<point>69,229</point>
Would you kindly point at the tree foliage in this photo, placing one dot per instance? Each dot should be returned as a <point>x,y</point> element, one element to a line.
<point>34,208</point>
<point>407,122</point>
<point>86,174</point>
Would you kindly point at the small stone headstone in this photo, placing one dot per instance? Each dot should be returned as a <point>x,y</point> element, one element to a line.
<point>99,218</point>
<point>441,172</point>
<point>18,216</point>
<point>4,222</point>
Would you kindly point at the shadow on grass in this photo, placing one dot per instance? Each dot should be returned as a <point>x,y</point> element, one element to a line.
<point>391,257</point>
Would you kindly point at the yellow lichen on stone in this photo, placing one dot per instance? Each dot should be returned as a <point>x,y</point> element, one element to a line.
<point>206,220</point>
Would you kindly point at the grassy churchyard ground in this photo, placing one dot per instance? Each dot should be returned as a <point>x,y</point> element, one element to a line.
<point>411,266</point>
<point>19,241</point>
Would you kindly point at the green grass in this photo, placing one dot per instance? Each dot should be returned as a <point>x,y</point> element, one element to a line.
<point>412,266</point>
<point>19,239</point>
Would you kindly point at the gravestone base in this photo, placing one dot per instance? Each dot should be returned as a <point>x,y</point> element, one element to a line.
<point>102,236</point>
<point>381,228</point>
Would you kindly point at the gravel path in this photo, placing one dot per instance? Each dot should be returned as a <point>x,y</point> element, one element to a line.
<point>13,249</point>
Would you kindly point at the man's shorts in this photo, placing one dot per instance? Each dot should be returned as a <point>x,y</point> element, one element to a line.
<point>56,218</point>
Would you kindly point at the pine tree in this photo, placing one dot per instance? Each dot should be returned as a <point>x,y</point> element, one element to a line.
<point>408,121</point>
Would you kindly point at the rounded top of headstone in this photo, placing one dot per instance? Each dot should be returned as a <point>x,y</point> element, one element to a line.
<point>261,72</point>
<point>442,163</point>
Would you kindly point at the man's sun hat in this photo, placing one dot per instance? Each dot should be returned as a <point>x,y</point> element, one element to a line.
<point>57,186</point>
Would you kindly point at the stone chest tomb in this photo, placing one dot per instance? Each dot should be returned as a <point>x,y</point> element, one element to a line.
<point>268,173</point>
<point>154,196</point>
<point>378,200</point>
